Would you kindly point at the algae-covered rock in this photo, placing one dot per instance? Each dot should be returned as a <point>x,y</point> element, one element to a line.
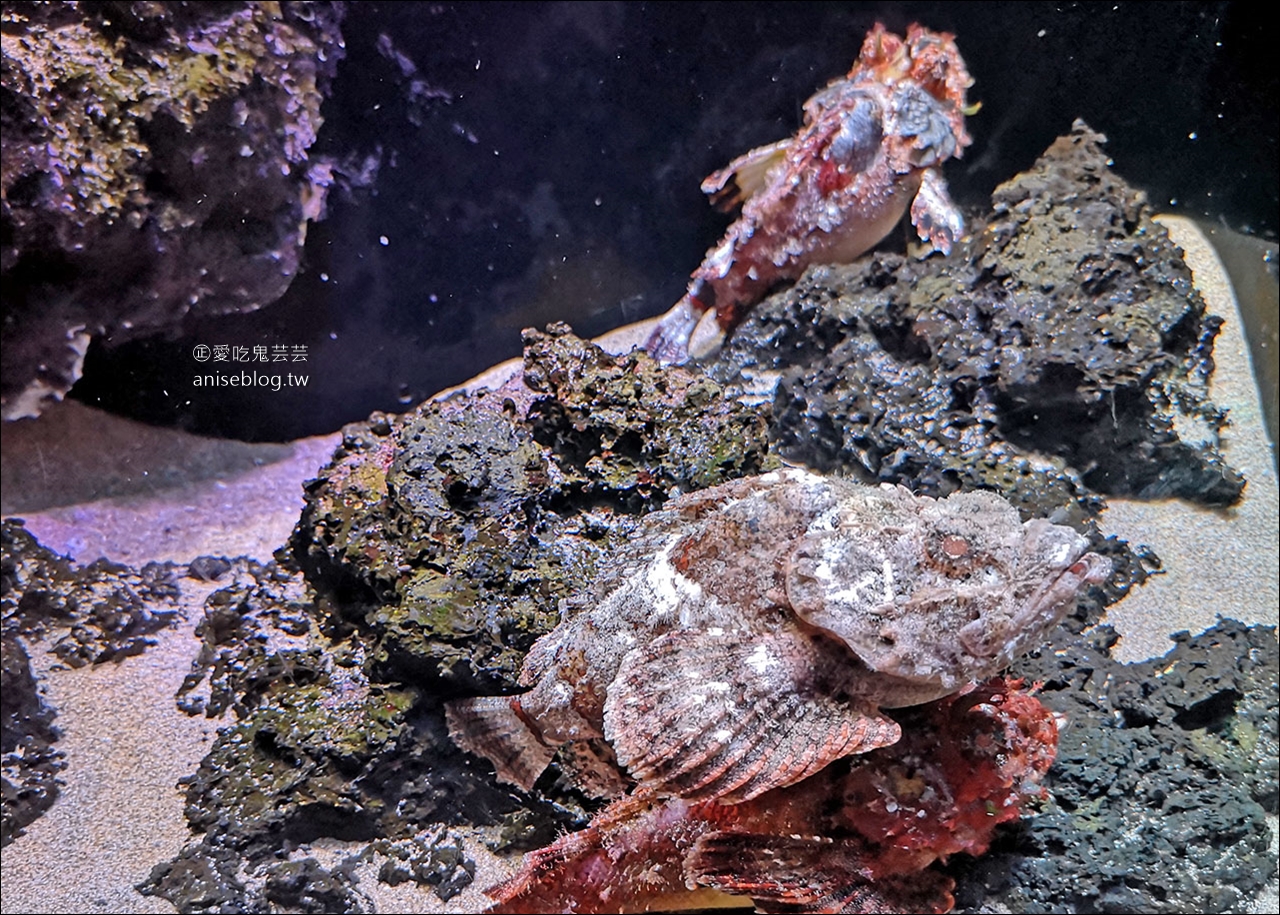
<point>315,749</point>
<point>155,165</point>
<point>1059,354</point>
<point>451,534</point>
<point>438,545</point>
<point>467,489</point>
<point>1113,345</point>
<point>859,393</point>
<point>310,724</point>
<point>342,538</point>
<point>626,428</point>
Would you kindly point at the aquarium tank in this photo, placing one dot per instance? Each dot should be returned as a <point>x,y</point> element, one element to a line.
<point>616,457</point>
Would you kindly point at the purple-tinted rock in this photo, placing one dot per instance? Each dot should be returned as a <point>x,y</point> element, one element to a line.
<point>154,165</point>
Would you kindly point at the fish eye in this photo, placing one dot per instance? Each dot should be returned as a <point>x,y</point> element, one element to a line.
<point>858,140</point>
<point>955,555</point>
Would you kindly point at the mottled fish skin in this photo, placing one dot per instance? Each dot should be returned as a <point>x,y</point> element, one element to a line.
<point>855,838</point>
<point>752,632</point>
<point>870,148</point>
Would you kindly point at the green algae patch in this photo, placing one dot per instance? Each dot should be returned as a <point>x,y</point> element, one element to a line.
<point>98,147</point>
<point>349,724</point>
<point>625,427</point>
<point>157,165</point>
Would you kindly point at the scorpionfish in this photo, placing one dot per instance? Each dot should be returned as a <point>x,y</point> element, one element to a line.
<point>855,838</point>
<point>871,144</point>
<point>751,633</point>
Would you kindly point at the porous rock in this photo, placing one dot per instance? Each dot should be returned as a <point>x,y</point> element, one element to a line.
<point>1164,775</point>
<point>439,544</point>
<point>1054,357</point>
<point>155,166</point>
<point>452,532</point>
<point>103,611</point>
<point>30,761</point>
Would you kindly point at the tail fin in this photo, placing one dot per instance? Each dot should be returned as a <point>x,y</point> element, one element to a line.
<point>492,727</point>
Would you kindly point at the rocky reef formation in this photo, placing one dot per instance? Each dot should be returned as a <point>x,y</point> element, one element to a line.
<point>449,534</point>
<point>339,727</point>
<point>1061,354</point>
<point>155,166</point>
<point>1059,357</point>
<point>30,761</point>
<point>1163,776</point>
<point>437,545</point>
<point>83,615</point>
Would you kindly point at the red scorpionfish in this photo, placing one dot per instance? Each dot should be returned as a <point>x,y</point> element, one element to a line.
<point>872,143</point>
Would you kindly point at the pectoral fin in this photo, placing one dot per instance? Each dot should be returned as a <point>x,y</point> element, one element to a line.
<point>716,714</point>
<point>742,178</point>
<point>491,726</point>
<point>936,218</point>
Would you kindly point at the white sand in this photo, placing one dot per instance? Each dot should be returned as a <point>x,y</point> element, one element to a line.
<point>1219,561</point>
<point>120,811</point>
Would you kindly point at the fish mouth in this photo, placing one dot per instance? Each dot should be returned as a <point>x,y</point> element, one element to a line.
<point>1049,603</point>
<point>1071,568</point>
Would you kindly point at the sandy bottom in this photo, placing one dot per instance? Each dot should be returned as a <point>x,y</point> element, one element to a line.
<point>127,744</point>
<point>119,812</point>
<point>1222,561</point>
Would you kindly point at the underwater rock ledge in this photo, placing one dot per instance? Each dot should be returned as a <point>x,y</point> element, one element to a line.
<point>155,166</point>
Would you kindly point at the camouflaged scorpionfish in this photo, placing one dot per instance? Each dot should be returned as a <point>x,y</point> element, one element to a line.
<point>872,143</point>
<point>752,632</point>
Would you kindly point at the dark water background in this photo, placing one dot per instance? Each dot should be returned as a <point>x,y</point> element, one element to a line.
<point>528,162</point>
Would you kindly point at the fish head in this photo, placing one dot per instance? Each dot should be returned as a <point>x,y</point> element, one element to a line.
<point>938,593</point>
<point>929,64</point>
